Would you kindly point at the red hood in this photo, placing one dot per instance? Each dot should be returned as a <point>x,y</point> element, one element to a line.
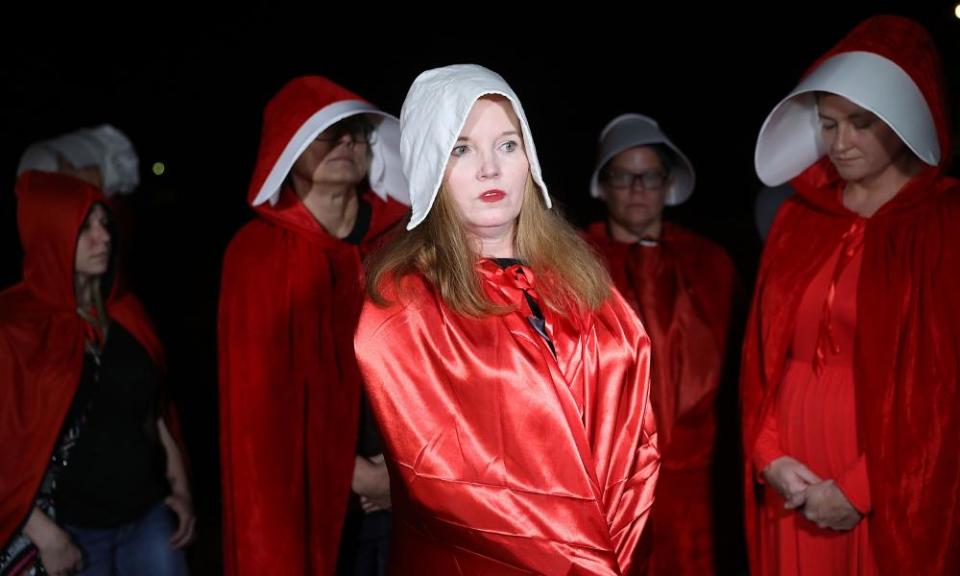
<point>42,336</point>
<point>50,211</point>
<point>286,112</point>
<point>910,46</point>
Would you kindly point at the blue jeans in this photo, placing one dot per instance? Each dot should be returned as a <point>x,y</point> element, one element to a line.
<point>140,548</point>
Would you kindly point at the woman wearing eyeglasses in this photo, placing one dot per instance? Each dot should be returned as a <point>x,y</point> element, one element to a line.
<point>682,286</point>
<point>851,364</point>
<point>509,380</point>
<point>294,437</point>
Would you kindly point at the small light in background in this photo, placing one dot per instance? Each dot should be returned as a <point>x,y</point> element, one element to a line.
<point>159,168</point>
<point>956,10</point>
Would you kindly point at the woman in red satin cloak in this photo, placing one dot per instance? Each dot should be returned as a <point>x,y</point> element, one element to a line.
<point>682,285</point>
<point>852,351</point>
<point>290,407</point>
<point>509,379</point>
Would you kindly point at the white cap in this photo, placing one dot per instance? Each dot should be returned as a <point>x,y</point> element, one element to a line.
<point>385,176</point>
<point>631,130</point>
<point>103,147</point>
<point>790,141</point>
<point>433,114</point>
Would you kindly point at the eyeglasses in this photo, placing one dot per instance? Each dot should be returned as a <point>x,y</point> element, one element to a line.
<point>649,180</point>
<point>360,131</point>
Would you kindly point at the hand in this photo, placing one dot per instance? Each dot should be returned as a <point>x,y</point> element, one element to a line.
<point>182,506</point>
<point>59,555</point>
<point>179,500</point>
<point>827,507</point>
<point>372,483</point>
<point>790,479</point>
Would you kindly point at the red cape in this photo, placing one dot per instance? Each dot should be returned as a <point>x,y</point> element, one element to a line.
<point>504,459</point>
<point>907,351</point>
<point>683,290</point>
<point>289,385</point>
<point>42,336</point>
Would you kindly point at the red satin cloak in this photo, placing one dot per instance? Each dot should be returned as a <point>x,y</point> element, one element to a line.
<point>683,290</point>
<point>42,337</point>
<point>503,458</point>
<point>907,339</point>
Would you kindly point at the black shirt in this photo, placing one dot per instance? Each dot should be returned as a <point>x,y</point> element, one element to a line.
<point>116,470</point>
<point>368,437</point>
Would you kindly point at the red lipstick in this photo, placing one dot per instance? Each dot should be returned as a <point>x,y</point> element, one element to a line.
<point>493,195</point>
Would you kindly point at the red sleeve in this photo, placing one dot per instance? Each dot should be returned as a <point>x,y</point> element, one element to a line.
<point>767,449</point>
<point>856,486</point>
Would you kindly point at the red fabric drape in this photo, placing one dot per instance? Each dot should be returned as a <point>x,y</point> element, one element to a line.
<point>503,458</point>
<point>42,336</point>
<point>907,347</point>
<point>683,289</point>
<point>290,298</point>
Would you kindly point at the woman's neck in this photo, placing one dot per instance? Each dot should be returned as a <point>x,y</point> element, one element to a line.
<point>495,243</point>
<point>621,233</point>
<point>83,286</point>
<point>334,206</point>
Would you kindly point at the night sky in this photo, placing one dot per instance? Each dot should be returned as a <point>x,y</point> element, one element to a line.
<point>190,94</point>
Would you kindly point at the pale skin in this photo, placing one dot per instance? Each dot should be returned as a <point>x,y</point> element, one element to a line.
<point>875,164</point>
<point>58,553</point>
<point>372,483</point>
<point>866,152</point>
<point>326,178</point>
<point>486,176</point>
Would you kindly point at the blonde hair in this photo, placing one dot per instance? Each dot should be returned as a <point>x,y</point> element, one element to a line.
<point>569,275</point>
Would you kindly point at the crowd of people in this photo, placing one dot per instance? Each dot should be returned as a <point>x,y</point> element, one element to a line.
<point>424,368</point>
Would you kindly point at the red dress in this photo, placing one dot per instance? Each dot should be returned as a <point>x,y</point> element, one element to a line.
<point>512,449</point>
<point>815,422</point>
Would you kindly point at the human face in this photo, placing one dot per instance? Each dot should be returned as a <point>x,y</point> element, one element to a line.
<point>487,171</point>
<point>93,244</point>
<point>634,185</point>
<point>339,155</point>
<point>861,146</point>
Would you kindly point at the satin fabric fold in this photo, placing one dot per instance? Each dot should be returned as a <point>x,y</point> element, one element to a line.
<point>505,459</point>
<point>683,289</point>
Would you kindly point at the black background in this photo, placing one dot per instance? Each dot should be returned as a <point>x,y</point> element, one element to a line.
<point>189,91</point>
